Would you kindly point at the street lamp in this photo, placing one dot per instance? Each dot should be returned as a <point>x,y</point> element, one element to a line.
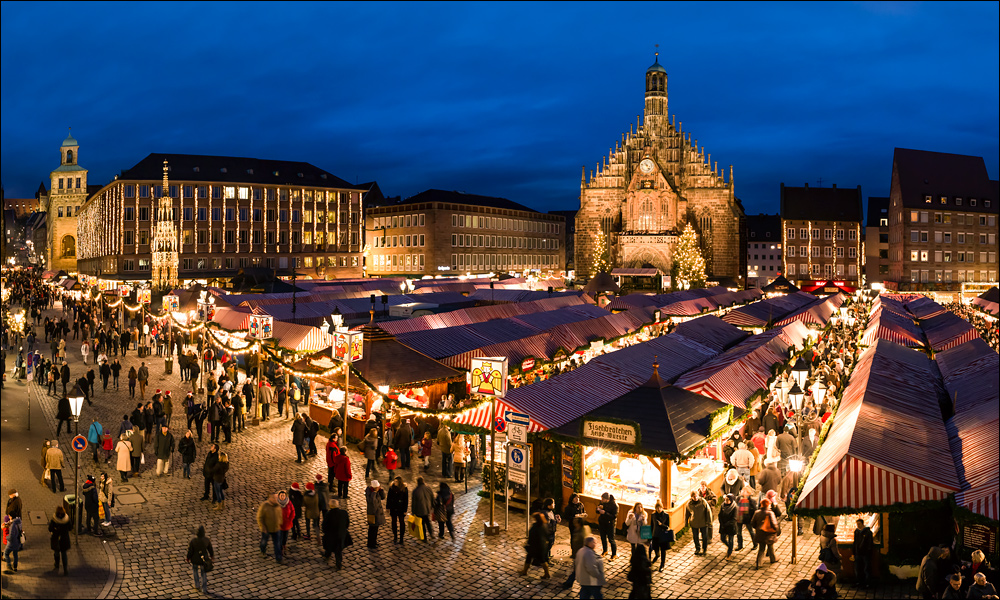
<point>75,404</point>
<point>795,396</point>
<point>795,464</point>
<point>799,371</point>
<point>819,392</point>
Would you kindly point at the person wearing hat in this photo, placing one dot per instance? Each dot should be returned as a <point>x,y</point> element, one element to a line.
<point>12,529</point>
<point>374,496</point>
<point>13,509</point>
<point>288,516</point>
<point>824,582</point>
<point>733,483</point>
<point>310,503</point>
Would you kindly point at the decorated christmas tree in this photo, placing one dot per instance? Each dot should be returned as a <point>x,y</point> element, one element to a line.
<point>688,261</point>
<point>602,255</point>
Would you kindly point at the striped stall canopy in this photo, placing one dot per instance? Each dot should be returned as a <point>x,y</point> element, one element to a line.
<point>818,314</point>
<point>924,308</point>
<point>738,373</point>
<point>478,314</point>
<point>687,308</point>
<point>300,338</point>
<point>770,310</point>
<point>232,319</point>
<point>970,376</point>
<point>885,324</point>
<point>892,401</point>
<point>991,307</point>
<point>947,330</point>
<point>481,417</point>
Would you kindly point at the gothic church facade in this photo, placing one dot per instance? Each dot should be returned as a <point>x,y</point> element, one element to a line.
<point>653,182</point>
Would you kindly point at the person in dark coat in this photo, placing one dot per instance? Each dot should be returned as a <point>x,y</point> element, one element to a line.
<point>64,413</point>
<point>929,580</point>
<point>59,527</point>
<point>728,522</point>
<point>403,440</point>
<point>199,553</point>
<point>211,459</point>
<point>90,506</point>
<point>397,503</point>
<point>607,519</point>
<point>641,575</point>
<point>187,450</point>
<point>335,536</point>
<point>766,527</point>
<point>864,544</point>
<point>537,547</point>
<point>299,438</point>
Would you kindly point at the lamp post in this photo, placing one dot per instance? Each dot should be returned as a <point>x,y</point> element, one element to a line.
<point>795,464</point>
<point>75,405</point>
<point>799,371</point>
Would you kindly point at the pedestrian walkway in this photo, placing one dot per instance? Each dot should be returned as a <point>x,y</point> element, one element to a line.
<point>145,559</point>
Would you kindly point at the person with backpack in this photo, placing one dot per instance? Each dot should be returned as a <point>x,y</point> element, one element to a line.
<point>201,557</point>
<point>95,437</point>
<point>766,528</point>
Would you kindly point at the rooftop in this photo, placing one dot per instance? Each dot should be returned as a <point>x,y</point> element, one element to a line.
<point>938,174</point>
<point>234,169</point>
<point>821,204</point>
<point>456,197</point>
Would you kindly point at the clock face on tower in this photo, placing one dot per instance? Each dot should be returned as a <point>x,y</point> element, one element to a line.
<point>646,166</point>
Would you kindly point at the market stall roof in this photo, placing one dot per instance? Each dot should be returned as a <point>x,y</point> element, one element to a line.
<point>560,399</point>
<point>924,308</point>
<point>669,419</point>
<point>388,362</point>
<point>816,314</point>
<point>886,324</point>
<point>969,372</point>
<point>888,443</point>
<point>687,308</point>
<point>736,374</point>
<point>638,300</point>
<point>516,295</point>
<point>948,330</point>
<point>769,310</point>
<point>479,314</point>
<point>990,295</point>
<point>991,307</point>
<point>232,318</point>
<point>635,272</point>
<point>602,282</point>
<point>780,285</point>
<point>710,331</point>
<point>829,286</point>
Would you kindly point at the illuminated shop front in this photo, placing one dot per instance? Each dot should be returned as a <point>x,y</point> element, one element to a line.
<point>655,443</point>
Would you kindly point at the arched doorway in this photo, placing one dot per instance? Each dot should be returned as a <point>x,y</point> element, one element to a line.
<point>68,247</point>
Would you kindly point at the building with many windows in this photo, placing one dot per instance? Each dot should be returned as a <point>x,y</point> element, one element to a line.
<point>821,234</point>
<point>877,240</point>
<point>438,232</point>
<point>229,213</point>
<point>763,249</point>
<point>68,191</point>
<point>942,221</point>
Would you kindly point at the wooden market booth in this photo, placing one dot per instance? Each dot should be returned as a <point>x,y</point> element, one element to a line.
<point>651,443</point>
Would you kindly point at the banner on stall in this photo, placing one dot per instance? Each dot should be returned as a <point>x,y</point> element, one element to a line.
<point>348,346</point>
<point>620,433</point>
<point>261,327</point>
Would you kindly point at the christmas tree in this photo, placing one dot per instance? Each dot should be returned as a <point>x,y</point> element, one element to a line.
<point>688,261</point>
<point>602,260</point>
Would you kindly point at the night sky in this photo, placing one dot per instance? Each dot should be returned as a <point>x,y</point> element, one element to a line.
<point>498,99</point>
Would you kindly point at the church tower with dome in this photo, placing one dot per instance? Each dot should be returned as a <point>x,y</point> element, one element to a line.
<point>67,193</point>
<point>653,181</point>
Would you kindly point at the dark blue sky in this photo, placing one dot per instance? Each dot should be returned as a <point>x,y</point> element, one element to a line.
<point>499,99</point>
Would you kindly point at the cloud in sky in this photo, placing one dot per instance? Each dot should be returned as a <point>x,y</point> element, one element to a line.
<point>496,98</point>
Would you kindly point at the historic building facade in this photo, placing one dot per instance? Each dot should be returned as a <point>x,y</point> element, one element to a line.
<point>651,183</point>
<point>763,249</point>
<point>67,194</point>
<point>440,232</point>
<point>822,234</point>
<point>228,213</point>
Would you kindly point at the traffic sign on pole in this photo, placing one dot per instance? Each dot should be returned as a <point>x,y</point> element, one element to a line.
<point>518,432</point>
<point>516,417</point>
<point>501,425</point>
<point>79,443</point>
<point>518,456</point>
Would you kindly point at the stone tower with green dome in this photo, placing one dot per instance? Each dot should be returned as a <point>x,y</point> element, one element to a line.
<point>68,191</point>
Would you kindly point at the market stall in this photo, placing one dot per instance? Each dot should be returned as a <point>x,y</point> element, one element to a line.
<point>652,443</point>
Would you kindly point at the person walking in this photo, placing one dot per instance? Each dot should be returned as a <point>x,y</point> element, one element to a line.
<point>164,449</point>
<point>728,517</point>
<point>607,518</point>
<point>64,413</point>
<point>374,497</point>
<point>459,456</point>
<point>310,503</point>
<point>426,445</point>
<point>219,483</point>
<point>634,522</point>
<point>370,445</point>
<point>85,350</point>
<point>208,467</point>
<point>124,451</point>
<point>766,527</point>
<point>660,543</point>
<point>699,516</point>
<point>342,471</point>
<point>95,437</point>
<point>133,376</point>
<point>422,503</point>
<point>200,555</point>
<point>59,528</point>
<point>589,569</point>
<point>578,533</point>
<point>138,442</point>
<point>746,508</point>
<point>105,371</point>
<point>444,510</point>
<point>14,504</point>
<point>299,437</point>
<point>297,500</point>
<point>116,370</point>
<point>269,523</point>
<point>391,462</point>
<point>335,535</point>
<point>142,375</point>
<point>444,443</point>
<point>187,449</point>
<point>397,502</point>
<point>402,440</point>
<point>536,549</point>
<point>288,516</point>
<point>90,504</point>
<point>54,463</point>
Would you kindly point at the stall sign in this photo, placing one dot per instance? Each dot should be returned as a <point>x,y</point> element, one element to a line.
<point>124,291</point>
<point>261,327</point>
<point>979,536</point>
<point>145,296</point>
<point>489,376</point>
<point>620,433</point>
<point>720,419</point>
<point>104,284</point>
<point>597,345</point>
<point>527,364</point>
<point>171,303</point>
<point>206,311</point>
<point>348,346</point>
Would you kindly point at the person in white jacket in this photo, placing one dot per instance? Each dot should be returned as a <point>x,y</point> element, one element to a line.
<point>589,569</point>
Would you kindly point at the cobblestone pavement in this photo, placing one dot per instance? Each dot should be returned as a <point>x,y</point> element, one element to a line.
<point>144,558</point>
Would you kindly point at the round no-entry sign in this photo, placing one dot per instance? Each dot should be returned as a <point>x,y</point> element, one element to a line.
<point>501,425</point>
<point>79,443</point>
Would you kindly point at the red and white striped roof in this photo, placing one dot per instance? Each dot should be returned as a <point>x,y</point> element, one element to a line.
<point>887,444</point>
<point>481,417</point>
<point>947,330</point>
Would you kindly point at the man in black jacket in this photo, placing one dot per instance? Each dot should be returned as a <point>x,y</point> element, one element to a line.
<point>864,543</point>
<point>63,412</point>
<point>199,554</point>
<point>64,376</point>
<point>211,459</point>
<point>607,520</point>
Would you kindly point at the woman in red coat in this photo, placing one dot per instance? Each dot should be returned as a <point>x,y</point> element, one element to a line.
<point>287,516</point>
<point>342,471</point>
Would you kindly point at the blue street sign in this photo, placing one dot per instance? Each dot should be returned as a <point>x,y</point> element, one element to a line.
<point>79,443</point>
<point>501,425</point>
<point>517,417</point>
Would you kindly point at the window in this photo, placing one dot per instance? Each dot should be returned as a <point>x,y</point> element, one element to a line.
<point>840,234</point>
<point>216,213</point>
<point>129,213</point>
<point>295,216</point>
<point>143,237</point>
<point>144,264</point>
<point>258,215</point>
<point>202,191</point>
<point>803,234</point>
<point>271,215</point>
<point>296,238</point>
<point>216,236</point>
<point>255,238</point>
<point>791,268</point>
<point>187,237</point>
<point>791,251</point>
<point>244,214</point>
<point>938,237</point>
<point>947,237</point>
<point>924,256</point>
<point>961,238</point>
<point>128,237</point>
<point>282,216</point>
<point>923,236</point>
<point>421,239</point>
<point>143,213</point>
<point>815,251</point>
<point>840,252</point>
<point>827,252</point>
<point>230,236</point>
<point>188,213</point>
<point>972,201</point>
<point>986,203</point>
<point>947,257</point>
<point>938,256</point>
<point>202,236</point>
<point>827,234</point>
<point>244,236</point>
<point>143,190</point>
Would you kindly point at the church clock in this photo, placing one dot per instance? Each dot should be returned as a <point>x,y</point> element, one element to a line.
<point>646,166</point>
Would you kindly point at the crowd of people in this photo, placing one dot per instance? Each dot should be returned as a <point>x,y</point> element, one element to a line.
<point>987,325</point>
